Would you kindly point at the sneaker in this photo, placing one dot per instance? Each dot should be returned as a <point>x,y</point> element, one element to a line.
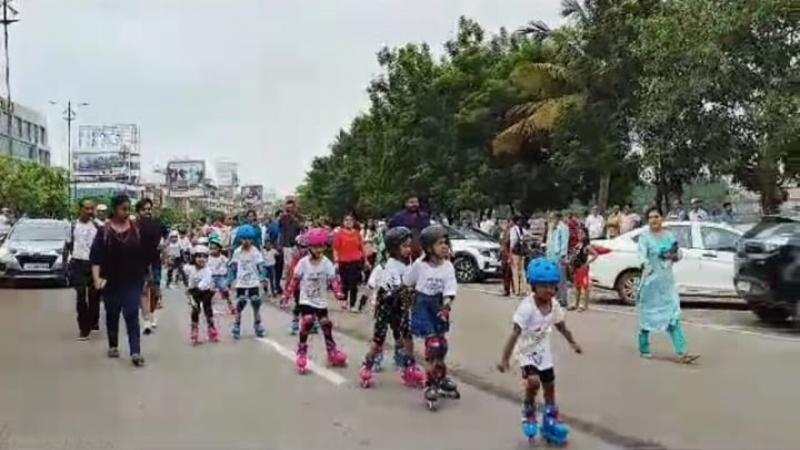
<point>137,360</point>
<point>83,337</point>
<point>646,355</point>
<point>154,323</point>
<point>147,329</point>
<point>113,352</point>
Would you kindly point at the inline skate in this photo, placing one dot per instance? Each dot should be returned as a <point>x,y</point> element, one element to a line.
<point>294,328</point>
<point>237,330</point>
<point>302,359</point>
<point>413,376</point>
<point>432,397</point>
<point>448,388</point>
<point>366,375</point>
<point>400,359</point>
<point>529,426</point>
<point>259,329</point>
<point>336,358</point>
<point>554,431</point>
<point>377,363</point>
<point>213,334</point>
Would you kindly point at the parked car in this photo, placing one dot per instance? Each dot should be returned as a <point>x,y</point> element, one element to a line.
<point>36,249</point>
<point>706,266</point>
<point>768,268</point>
<point>476,255</point>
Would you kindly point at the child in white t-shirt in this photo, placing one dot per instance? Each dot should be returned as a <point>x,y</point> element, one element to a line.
<point>201,291</point>
<point>534,320</point>
<point>246,270</point>
<point>270,257</point>
<point>218,264</point>
<point>312,277</point>
<point>434,280</point>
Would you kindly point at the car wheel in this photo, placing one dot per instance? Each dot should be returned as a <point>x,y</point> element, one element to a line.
<point>772,315</point>
<point>466,269</point>
<point>628,286</point>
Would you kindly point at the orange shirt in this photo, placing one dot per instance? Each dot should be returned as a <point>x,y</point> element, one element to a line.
<point>348,246</point>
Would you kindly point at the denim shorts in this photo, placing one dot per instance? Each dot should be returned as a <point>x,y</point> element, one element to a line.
<point>425,320</point>
<point>220,282</point>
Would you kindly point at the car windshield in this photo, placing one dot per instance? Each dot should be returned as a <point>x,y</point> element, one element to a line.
<point>38,232</point>
<point>775,227</point>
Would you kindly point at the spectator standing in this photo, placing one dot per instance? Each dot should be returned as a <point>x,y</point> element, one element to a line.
<point>369,234</point>
<point>678,212</point>
<point>595,224</point>
<point>270,259</point>
<point>558,250</point>
<point>630,220</point>
<point>274,236</point>
<point>488,225</point>
<point>415,220</point>
<point>517,248</point>
<point>698,214</point>
<point>101,214</point>
<point>726,216</point>
<point>290,226</point>
<point>120,264</point>
<point>614,223</point>
<point>87,298</point>
<point>505,256</point>
<point>348,252</point>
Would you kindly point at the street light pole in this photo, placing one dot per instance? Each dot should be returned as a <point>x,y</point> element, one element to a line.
<point>9,17</point>
<point>69,116</point>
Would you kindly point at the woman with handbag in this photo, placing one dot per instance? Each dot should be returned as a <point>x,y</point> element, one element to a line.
<point>517,246</point>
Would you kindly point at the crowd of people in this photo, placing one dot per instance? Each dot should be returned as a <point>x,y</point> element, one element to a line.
<point>405,264</point>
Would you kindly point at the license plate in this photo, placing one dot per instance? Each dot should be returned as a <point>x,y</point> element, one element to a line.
<point>36,266</point>
<point>743,286</point>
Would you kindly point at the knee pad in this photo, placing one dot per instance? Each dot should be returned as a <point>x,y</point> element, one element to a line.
<point>435,348</point>
<point>306,322</point>
<point>255,302</point>
<point>326,324</point>
<point>241,303</point>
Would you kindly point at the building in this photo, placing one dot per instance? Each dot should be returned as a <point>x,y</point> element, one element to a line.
<point>27,138</point>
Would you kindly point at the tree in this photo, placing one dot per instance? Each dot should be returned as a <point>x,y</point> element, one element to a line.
<point>33,189</point>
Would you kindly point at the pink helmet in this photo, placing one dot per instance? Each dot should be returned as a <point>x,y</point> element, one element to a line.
<point>317,237</point>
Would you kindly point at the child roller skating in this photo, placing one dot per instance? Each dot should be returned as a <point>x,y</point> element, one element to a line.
<point>302,246</point>
<point>391,310</point>
<point>313,275</point>
<point>246,269</point>
<point>218,263</point>
<point>434,280</point>
<point>201,291</point>
<point>534,320</point>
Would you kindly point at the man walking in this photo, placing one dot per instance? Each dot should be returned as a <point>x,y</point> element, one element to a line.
<point>290,226</point>
<point>87,298</point>
<point>595,224</point>
<point>557,250</point>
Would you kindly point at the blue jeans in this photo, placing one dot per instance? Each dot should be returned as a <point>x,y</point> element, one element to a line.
<point>124,298</point>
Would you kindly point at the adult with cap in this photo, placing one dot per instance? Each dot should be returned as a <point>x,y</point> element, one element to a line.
<point>120,266</point>
<point>698,214</point>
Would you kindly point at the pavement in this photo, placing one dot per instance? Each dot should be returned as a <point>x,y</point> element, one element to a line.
<point>57,393</point>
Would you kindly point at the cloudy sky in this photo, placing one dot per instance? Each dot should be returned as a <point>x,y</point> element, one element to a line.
<point>267,83</point>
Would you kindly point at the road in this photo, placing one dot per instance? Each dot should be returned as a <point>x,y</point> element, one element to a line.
<point>58,393</point>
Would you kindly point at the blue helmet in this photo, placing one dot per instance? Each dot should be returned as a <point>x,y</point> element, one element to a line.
<point>247,232</point>
<point>543,271</point>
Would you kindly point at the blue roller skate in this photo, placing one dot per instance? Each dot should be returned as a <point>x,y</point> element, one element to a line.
<point>295,327</point>
<point>259,330</point>
<point>315,328</point>
<point>554,431</point>
<point>237,330</point>
<point>377,363</point>
<point>400,360</point>
<point>529,426</point>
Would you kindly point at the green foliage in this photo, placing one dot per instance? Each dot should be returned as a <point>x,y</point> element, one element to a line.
<point>33,189</point>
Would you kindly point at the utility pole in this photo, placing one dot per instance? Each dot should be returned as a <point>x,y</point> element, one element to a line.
<point>9,17</point>
<point>69,116</point>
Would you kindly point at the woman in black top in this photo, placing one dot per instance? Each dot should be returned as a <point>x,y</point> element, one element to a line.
<point>120,264</point>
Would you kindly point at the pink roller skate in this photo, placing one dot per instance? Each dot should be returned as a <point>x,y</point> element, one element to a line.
<point>337,358</point>
<point>302,359</point>
<point>195,334</point>
<point>366,375</point>
<point>413,376</point>
<point>213,334</point>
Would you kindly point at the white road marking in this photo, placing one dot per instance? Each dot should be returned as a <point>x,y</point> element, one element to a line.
<point>323,372</point>
<point>708,326</point>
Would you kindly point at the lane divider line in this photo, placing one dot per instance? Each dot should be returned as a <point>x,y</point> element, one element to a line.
<point>323,372</point>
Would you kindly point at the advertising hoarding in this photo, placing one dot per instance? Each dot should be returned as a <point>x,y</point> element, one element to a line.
<point>107,153</point>
<point>227,173</point>
<point>252,194</point>
<point>185,178</point>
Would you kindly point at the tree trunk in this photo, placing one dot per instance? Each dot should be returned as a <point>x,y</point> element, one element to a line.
<point>602,194</point>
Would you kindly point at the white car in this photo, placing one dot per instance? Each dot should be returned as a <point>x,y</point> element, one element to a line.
<point>706,266</point>
<point>476,255</point>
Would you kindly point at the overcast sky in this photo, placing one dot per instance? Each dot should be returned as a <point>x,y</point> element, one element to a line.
<point>266,83</point>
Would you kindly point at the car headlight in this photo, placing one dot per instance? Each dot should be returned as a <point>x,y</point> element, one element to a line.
<point>774,243</point>
<point>489,253</point>
<point>5,254</point>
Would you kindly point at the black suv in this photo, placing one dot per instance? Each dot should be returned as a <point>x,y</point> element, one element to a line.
<point>768,268</point>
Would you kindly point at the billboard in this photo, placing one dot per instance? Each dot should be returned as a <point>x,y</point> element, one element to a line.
<point>185,178</point>
<point>252,194</point>
<point>227,173</point>
<point>107,153</point>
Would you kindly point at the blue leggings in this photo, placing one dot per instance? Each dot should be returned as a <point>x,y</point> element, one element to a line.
<point>675,332</point>
<point>126,299</point>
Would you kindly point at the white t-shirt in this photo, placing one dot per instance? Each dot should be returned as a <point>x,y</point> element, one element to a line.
<point>173,249</point>
<point>698,216</point>
<point>269,257</point>
<point>314,280</point>
<point>82,237</point>
<point>218,264</point>
<point>388,276</point>
<point>595,224</point>
<point>247,262</point>
<point>431,280</point>
<point>199,278</point>
<point>534,344</point>
<point>185,244</point>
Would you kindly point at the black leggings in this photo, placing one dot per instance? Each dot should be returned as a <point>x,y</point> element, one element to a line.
<point>202,299</point>
<point>390,313</point>
<point>309,315</point>
<point>176,264</point>
<point>350,272</point>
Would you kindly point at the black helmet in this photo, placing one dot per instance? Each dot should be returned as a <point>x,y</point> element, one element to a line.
<point>394,239</point>
<point>430,235</point>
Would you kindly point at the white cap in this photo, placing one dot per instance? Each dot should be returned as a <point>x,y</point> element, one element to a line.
<point>173,233</point>
<point>101,207</point>
<point>200,249</point>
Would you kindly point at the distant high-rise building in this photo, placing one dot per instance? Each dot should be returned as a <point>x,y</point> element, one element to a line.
<point>27,138</point>
<point>227,173</point>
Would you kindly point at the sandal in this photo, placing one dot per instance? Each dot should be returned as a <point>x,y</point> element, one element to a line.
<point>688,358</point>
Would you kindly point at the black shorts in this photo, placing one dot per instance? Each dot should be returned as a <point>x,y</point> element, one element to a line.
<point>319,313</point>
<point>248,293</point>
<point>545,376</point>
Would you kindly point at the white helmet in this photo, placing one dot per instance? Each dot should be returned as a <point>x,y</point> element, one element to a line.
<point>199,250</point>
<point>173,233</point>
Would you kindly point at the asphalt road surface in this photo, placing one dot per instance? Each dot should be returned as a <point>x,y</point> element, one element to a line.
<point>57,393</point>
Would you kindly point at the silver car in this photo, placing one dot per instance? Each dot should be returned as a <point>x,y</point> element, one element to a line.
<point>36,249</point>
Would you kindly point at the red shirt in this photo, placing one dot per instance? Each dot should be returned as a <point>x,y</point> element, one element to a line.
<point>348,246</point>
